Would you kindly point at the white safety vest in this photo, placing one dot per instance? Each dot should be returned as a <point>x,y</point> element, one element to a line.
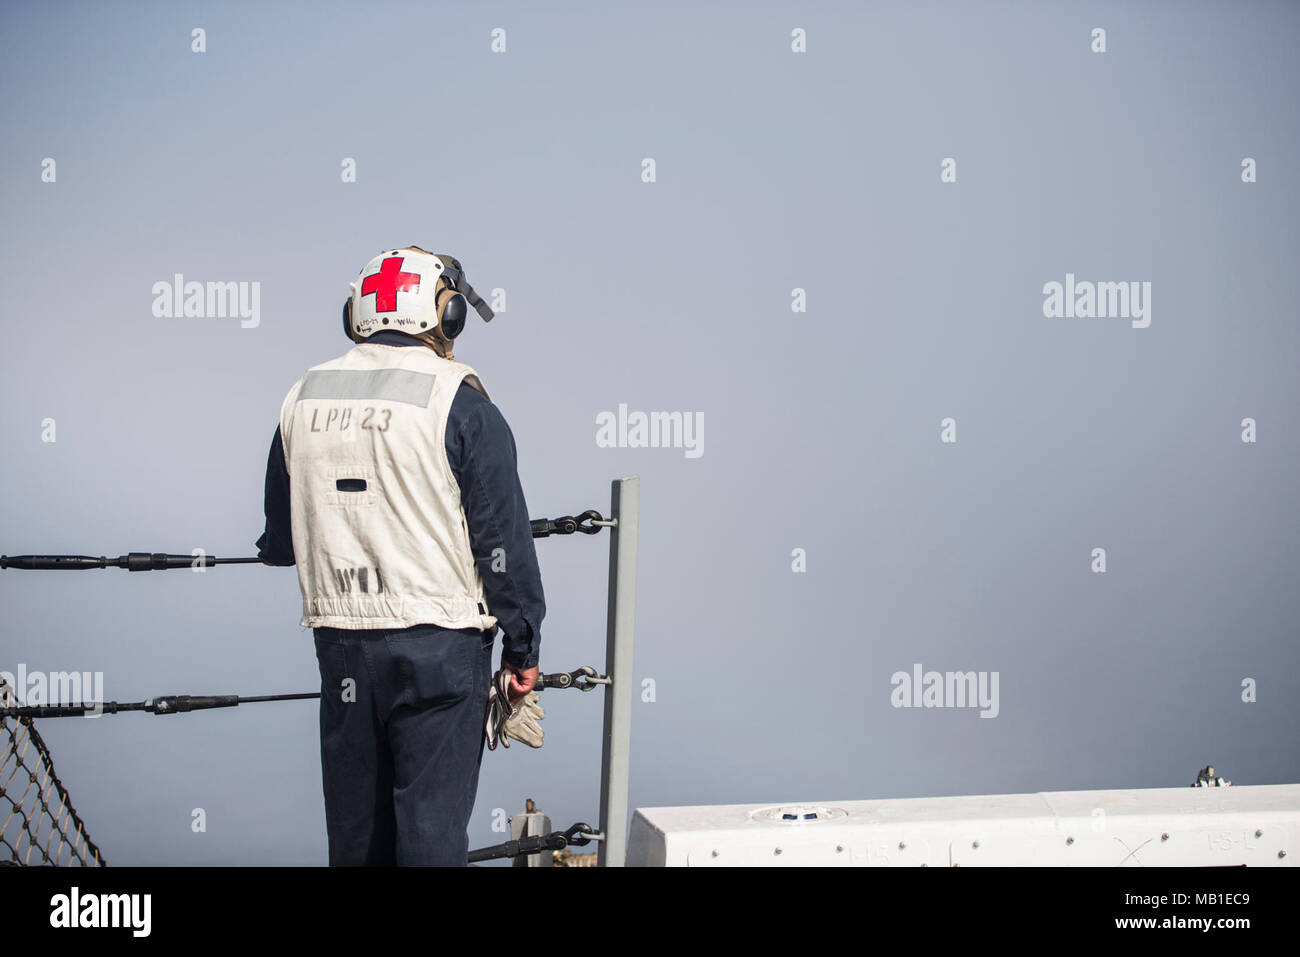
<point>379,534</point>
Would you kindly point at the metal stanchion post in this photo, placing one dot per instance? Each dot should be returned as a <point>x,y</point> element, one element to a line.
<point>617,737</point>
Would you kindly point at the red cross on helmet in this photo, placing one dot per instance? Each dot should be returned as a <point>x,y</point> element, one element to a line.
<point>414,291</point>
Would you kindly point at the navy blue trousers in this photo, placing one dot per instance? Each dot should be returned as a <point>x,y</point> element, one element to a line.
<point>401,741</point>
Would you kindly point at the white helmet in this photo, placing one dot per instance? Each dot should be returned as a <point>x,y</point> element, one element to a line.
<point>413,291</point>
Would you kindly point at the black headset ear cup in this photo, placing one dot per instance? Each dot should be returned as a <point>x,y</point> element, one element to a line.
<point>453,316</point>
<point>347,318</point>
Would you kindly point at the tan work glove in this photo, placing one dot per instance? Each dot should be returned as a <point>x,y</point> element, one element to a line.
<point>521,721</point>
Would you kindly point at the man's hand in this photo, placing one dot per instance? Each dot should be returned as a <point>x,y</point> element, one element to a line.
<point>522,681</point>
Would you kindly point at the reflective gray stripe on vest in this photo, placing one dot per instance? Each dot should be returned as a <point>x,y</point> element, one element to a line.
<point>392,385</point>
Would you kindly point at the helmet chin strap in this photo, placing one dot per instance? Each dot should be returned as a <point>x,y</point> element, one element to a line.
<point>437,343</point>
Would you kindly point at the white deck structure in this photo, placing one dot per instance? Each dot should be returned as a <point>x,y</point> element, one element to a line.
<point>1255,825</point>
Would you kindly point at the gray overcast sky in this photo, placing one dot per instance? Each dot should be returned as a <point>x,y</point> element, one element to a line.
<point>774,171</point>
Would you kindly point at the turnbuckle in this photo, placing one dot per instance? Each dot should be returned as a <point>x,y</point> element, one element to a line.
<point>585,678</point>
<point>588,523</point>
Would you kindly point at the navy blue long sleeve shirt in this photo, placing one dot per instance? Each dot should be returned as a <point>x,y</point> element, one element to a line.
<point>481,450</point>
